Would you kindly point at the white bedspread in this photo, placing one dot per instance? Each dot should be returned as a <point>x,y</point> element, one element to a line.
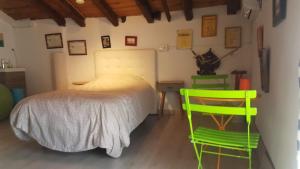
<point>101,113</point>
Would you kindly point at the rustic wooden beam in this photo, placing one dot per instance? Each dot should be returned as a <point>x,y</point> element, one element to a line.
<point>166,9</point>
<point>233,6</point>
<point>123,19</point>
<point>74,13</point>
<point>62,7</point>
<point>58,18</point>
<point>188,9</point>
<point>107,11</point>
<point>145,9</point>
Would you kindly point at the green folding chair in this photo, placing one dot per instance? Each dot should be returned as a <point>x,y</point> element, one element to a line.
<point>210,82</point>
<point>204,137</point>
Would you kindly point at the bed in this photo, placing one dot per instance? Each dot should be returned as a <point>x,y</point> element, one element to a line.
<point>101,113</point>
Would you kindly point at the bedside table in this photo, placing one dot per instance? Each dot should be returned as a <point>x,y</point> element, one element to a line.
<point>169,86</point>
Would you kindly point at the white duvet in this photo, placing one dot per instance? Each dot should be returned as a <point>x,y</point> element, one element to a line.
<point>101,113</point>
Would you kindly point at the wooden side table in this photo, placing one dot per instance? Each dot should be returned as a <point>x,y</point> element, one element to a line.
<point>169,86</point>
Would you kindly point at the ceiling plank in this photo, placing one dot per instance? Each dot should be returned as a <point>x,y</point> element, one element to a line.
<point>188,9</point>
<point>107,11</point>
<point>145,9</point>
<point>166,9</point>
<point>58,18</point>
<point>233,6</point>
<point>62,7</point>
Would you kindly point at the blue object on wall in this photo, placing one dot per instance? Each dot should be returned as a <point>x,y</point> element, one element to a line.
<point>18,94</point>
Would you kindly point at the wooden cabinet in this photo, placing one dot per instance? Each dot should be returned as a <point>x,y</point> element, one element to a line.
<point>13,79</point>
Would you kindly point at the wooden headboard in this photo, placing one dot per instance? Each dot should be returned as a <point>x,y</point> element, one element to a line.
<point>139,62</point>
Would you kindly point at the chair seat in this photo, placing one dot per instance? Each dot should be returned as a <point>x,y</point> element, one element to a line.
<point>226,138</point>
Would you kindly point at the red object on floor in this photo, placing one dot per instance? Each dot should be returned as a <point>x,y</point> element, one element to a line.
<point>244,84</point>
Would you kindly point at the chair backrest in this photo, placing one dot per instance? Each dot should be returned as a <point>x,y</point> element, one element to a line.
<point>201,96</point>
<point>210,82</point>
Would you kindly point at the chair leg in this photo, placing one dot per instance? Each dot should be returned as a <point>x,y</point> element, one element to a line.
<point>200,158</point>
<point>250,159</point>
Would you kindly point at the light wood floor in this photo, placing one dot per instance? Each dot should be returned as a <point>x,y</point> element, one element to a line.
<point>158,143</point>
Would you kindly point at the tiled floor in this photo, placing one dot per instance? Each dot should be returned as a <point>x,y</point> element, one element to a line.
<point>158,143</point>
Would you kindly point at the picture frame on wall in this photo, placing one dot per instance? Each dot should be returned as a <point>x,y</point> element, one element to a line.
<point>1,40</point>
<point>184,39</point>
<point>77,47</point>
<point>260,38</point>
<point>105,41</point>
<point>209,26</point>
<point>54,40</point>
<point>279,11</point>
<point>259,2</point>
<point>264,60</point>
<point>233,37</point>
<point>130,40</point>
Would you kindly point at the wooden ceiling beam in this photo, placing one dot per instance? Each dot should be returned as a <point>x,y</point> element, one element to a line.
<point>74,13</point>
<point>166,9</point>
<point>107,11</point>
<point>233,6</point>
<point>63,6</point>
<point>145,9</point>
<point>58,18</point>
<point>188,9</point>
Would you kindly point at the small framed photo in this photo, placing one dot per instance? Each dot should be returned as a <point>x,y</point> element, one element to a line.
<point>279,11</point>
<point>233,37</point>
<point>131,40</point>
<point>209,26</point>
<point>54,40</point>
<point>105,41</point>
<point>77,47</point>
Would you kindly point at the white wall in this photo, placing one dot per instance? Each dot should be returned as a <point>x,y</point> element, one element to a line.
<point>172,65</point>
<point>6,28</point>
<point>278,110</point>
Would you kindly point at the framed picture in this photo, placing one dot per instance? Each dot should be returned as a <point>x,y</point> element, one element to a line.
<point>279,11</point>
<point>184,39</point>
<point>54,40</point>
<point>131,40</point>
<point>1,40</point>
<point>209,25</point>
<point>260,38</point>
<point>233,37</point>
<point>105,41</point>
<point>77,47</point>
<point>259,2</point>
<point>264,60</point>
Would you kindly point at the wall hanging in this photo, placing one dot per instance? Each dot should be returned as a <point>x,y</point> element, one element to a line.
<point>233,37</point>
<point>209,25</point>
<point>279,11</point>
<point>106,41</point>
<point>208,62</point>
<point>77,47</point>
<point>54,40</point>
<point>184,39</point>
<point>131,40</point>
<point>264,60</point>
<point>1,40</point>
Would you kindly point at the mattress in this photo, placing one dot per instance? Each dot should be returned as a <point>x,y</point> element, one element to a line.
<point>101,113</point>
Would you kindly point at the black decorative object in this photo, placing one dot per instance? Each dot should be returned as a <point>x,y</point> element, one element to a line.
<point>207,63</point>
